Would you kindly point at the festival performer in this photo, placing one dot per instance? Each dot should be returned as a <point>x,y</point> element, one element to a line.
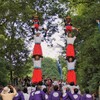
<point>37,50</point>
<point>75,96</point>
<point>37,72</point>
<point>36,95</point>
<point>71,75</point>
<point>68,25</point>
<point>36,24</point>
<point>45,94</point>
<point>65,94</point>
<point>87,95</point>
<point>70,47</point>
<point>68,20</point>
<point>56,94</point>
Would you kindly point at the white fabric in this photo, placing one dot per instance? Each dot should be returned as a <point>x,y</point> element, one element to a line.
<point>30,89</point>
<point>75,96</point>
<point>43,87</point>
<point>26,96</point>
<point>70,40</point>
<point>55,83</point>
<point>37,63</point>
<point>37,92</point>
<point>46,96</point>
<point>72,89</point>
<point>88,96</point>
<point>64,94</point>
<point>55,94</point>
<point>71,65</point>
<point>64,88</point>
<point>38,39</point>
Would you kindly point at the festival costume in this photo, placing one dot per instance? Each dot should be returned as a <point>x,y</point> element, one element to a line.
<point>55,95</point>
<point>37,50</point>
<point>70,47</point>
<point>19,96</point>
<point>71,76</point>
<point>65,96</point>
<point>87,97</point>
<point>44,96</point>
<point>37,72</point>
<point>37,95</point>
<point>68,28</point>
<point>35,25</point>
<point>77,97</point>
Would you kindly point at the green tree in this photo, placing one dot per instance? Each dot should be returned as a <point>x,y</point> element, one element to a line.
<point>50,68</point>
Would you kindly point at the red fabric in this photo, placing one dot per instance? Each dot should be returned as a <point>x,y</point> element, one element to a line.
<point>36,26</point>
<point>69,28</point>
<point>37,76</point>
<point>71,76</point>
<point>70,50</point>
<point>37,50</point>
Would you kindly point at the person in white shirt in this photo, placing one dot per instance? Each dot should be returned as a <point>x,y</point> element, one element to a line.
<point>71,75</point>
<point>70,45</point>
<point>72,86</point>
<point>30,88</point>
<point>37,72</point>
<point>71,62</point>
<point>25,93</point>
<point>37,62</point>
<point>37,50</point>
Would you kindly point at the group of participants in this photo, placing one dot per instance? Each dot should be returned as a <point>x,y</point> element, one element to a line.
<point>48,89</point>
<point>37,55</point>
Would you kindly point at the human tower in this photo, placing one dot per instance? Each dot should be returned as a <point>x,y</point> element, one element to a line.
<point>37,54</point>
<point>70,51</point>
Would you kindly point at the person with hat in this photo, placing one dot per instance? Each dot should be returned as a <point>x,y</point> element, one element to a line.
<point>6,94</point>
<point>68,26</point>
<point>36,24</point>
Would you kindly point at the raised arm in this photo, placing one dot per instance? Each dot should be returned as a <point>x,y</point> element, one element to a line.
<point>14,90</point>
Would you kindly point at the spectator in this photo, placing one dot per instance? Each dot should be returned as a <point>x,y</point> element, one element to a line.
<point>25,93</point>
<point>6,94</point>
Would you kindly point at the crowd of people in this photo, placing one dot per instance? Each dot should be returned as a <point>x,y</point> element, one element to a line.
<point>48,89</point>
